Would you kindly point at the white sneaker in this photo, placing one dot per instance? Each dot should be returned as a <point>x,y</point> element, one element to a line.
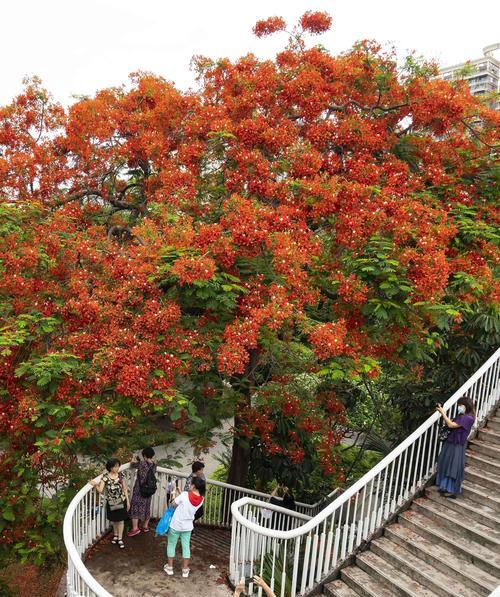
<point>168,569</point>
<point>185,572</point>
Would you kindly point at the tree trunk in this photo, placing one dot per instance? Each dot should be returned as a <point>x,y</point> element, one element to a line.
<point>240,457</point>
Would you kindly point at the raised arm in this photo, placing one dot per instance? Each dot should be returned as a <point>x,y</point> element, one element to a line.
<point>125,490</point>
<point>260,582</point>
<point>446,419</point>
<point>239,588</point>
<point>97,485</point>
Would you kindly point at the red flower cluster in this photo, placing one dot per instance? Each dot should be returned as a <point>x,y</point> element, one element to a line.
<point>193,269</point>
<point>315,22</point>
<point>352,290</point>
<point>269,26</point>
<point>327,339</point>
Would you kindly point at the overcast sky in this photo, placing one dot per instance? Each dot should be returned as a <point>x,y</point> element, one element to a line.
<point>79,46</point>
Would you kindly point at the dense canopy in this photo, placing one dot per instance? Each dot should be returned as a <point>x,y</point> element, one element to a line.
<point>231,248</point>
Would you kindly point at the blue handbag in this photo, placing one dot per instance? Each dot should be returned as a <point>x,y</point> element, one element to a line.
<point>164,522</point>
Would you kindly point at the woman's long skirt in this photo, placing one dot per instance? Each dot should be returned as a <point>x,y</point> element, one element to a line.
<point>450,467</point>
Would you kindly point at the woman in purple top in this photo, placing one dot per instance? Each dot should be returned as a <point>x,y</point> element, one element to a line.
<point>451,462</point>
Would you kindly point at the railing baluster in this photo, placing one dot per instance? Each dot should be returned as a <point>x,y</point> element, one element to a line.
<point>396,484</point>
<point>295,570</point>
<point>361,523</point>
<point>338,531</point>
<point>321,553</point>
<point>345,531</point>
<point>354,523</point>
<point>422,459</point>
<point>389,491</point>
<point>329,545</point>
<point>283,572</point>
<point>368,512</point>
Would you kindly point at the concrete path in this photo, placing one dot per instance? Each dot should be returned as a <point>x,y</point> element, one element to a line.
<point>137,570</point>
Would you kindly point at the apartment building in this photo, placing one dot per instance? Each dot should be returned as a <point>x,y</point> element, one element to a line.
<point>482,74</point>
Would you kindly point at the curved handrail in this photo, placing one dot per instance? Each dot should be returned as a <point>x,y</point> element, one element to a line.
<point>75,557</point>
<point>316,520</point>
<point>73,554</point>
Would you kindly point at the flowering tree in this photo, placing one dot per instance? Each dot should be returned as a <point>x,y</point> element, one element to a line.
<point>242,247</point>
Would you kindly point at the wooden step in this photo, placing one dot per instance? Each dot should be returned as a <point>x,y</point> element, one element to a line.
<point>490,436</point>
<point>490,481</point>
<point>392,577</point>
<point>473,552</point>
<point>481,462</point>
<point>439,557</point>
<point>363,584</point>
<point>428,575</point>
<point>481,495</point>
<point>467,508</point>
<point>470,530</point>
<point>490,450</point>
<point>338,588</point>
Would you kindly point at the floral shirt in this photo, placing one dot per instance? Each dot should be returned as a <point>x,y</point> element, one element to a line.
<point>113,489</point>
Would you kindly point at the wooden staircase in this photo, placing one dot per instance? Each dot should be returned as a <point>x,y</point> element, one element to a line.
<point>439,546</point>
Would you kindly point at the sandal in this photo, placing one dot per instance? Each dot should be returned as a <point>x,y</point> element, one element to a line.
<point>121,545</point>
<point>114,541</point>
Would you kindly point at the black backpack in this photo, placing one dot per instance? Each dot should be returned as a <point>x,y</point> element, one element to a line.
<point>148,488</point>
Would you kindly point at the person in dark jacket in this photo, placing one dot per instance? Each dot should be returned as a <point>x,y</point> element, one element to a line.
<point>140,506</point>
<point>278,520</point>
<point>451,462</point>
<point>197,470</point>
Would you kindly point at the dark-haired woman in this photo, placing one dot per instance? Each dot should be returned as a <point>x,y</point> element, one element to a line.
<point>186,504</point>
<point>451,462</point>
<point>140,506</point>
<point>114,489</point>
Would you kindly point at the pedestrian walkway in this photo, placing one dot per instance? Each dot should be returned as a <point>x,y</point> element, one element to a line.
<point>137,570</point>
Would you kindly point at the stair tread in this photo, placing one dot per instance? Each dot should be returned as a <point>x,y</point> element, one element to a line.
<point>390,572</point>
<point>485,492</point>
<point>480,442</point>
<point>417,565</point>
<point>340,589</point>
<point>482,458</point>
<point>444,512</point>
<point>467,504</point>
<point>488,433</point>
<point>371,586</point>
<point>467,546</point>
<point>442,554</point>
<point>475,471</point>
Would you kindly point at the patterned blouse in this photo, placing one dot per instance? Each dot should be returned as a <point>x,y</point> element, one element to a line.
<point>113,489</point>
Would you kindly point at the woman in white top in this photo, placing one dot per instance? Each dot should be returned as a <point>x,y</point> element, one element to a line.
<point>186,504</point>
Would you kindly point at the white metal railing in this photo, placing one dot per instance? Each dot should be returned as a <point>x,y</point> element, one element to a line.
<point>295,559</point>
<point>85,520</point>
